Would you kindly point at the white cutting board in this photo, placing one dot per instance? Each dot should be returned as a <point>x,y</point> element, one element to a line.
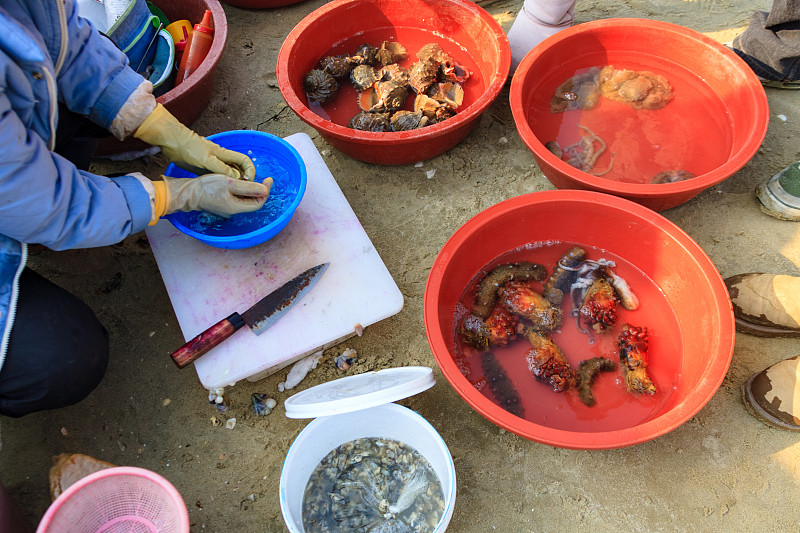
<point>206,284</point>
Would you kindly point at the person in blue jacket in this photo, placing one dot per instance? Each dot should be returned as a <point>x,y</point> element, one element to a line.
<point>59,78</point>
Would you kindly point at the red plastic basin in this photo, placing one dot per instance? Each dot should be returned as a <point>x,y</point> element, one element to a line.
<point>715,122</point>
<point>462,28</point>
<point>261,4</point>
<point>687,311</point>
<point>187,100</point>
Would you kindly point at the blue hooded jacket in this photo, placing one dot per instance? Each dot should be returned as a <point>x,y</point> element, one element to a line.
<point>49,54</point>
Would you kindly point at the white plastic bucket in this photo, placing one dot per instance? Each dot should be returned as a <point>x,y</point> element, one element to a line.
<point>389,421</point>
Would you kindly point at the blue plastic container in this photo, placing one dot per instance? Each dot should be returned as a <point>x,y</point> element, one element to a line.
<point>273,157</point>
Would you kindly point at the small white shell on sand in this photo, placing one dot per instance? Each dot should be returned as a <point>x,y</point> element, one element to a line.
<point>230,423</point>
<point>214,394</point>
<point>349,352</point>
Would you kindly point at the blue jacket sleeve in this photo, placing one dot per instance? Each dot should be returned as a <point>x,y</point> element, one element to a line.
<point>45,199</point>
<point>95,79</point>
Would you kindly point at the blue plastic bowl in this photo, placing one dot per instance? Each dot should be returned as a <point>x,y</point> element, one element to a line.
<point>273,157</point>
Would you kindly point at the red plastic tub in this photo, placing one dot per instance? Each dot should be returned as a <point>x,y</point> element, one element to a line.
<point>683,302</point>
<point>462,28</point>
<point>261,4</point>
<point>187,100</point>
<point>713,125</point>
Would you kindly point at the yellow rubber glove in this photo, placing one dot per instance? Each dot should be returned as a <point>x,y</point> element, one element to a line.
<point>215,193</point>
<point>189,150</point>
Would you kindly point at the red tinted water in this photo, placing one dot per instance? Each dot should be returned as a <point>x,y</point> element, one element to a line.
<point>615,408</point>
<point>692,132</point>
<point>344,105</point>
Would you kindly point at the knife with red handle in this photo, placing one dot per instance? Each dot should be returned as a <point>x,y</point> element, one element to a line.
<point>259,317</point>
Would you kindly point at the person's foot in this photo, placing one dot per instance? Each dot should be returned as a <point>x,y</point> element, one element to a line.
<point>780,195</point>
<point>766,305</point>
<point>773,395</point>
<point>536,21</point>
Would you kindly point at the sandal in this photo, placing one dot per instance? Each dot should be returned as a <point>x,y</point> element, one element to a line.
<point>765,305</point>
<point>770,395</point>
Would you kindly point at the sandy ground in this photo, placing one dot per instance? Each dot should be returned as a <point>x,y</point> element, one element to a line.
<point>723,470</point>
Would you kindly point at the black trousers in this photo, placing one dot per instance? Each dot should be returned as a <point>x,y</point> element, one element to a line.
<point>57,353</point>
<point>58,350</point>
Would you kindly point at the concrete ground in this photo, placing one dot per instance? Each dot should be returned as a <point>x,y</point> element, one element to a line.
<point>723,470</point>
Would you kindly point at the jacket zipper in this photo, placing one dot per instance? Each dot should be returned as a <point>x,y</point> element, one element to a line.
<point>51,78</point>
<point>51,91</point>
<point>62,20</point>
<point>12,307</point>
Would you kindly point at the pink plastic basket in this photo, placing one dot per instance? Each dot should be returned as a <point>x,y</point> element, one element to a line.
<point>123,499</point>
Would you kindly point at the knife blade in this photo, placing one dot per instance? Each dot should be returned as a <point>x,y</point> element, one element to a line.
<point>259,317</point>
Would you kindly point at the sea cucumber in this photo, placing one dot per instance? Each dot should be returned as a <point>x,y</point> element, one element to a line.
<point>587,370</point>
<point>486,296</point>
<point>503,390</point>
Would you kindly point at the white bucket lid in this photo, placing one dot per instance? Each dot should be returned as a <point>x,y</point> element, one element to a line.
<point>358,392</point>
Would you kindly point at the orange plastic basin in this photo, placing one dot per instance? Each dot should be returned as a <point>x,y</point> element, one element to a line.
<point>683,302</point>
<point>260,4</point>
<point>462,28</point>
<point>713,125</point>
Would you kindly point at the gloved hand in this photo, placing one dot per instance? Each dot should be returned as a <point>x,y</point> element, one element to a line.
<point>189,150</point>
<point>215,193</point>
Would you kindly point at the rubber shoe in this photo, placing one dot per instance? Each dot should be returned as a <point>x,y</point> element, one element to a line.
<point>773,395</point>
<point>766,305</point>
<point>535,22</point>
<point>780,195</point>
<point>526,33</point>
